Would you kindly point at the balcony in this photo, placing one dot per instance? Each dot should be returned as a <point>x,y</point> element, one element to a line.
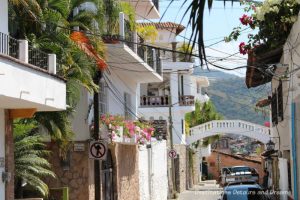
<point>186,100</point>
<point>154,101</point>
<point>21,50</point>
<point>130,57</point>
<point>29,77</point>
<point>164,101</point>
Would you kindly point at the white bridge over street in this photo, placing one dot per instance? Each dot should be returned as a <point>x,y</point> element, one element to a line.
<point>215,127</point>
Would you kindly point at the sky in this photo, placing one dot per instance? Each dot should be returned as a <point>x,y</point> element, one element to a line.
<point>218,23</point>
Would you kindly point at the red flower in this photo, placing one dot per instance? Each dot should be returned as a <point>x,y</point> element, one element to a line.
<point>243,48</point>
<point>245,20</point>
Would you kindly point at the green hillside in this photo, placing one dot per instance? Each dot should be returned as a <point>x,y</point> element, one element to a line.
<point>234,101</point>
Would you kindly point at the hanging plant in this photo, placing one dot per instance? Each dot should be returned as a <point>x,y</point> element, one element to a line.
<point>273,19</point>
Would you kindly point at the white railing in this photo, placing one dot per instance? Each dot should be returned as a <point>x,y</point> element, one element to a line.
<point>229,126</point>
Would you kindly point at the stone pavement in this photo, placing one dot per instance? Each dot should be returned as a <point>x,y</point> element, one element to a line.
<point>207,190</point>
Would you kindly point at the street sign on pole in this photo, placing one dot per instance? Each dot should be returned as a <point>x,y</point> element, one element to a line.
<point>98,150</point>
<point>172,154</point>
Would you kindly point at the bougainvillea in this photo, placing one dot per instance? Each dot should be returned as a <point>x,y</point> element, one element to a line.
<point>142,131</point>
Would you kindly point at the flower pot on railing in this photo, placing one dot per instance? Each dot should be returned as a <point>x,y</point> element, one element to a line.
<point>117,135</point>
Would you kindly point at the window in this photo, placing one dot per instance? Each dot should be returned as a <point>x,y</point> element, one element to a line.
<point>127,106</point>
<point>198,88</point>
<point>102,97</point>
<point>277,105</point>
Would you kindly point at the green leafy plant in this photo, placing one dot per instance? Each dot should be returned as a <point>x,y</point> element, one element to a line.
<point>147,33</point>
<point>186,50</point>
<point>31,164</point>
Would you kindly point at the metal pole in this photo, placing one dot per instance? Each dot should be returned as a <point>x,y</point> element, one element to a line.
<point>172,147</point>
<point>96,136</point>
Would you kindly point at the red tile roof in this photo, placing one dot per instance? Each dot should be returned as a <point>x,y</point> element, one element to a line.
<point>165,25</point>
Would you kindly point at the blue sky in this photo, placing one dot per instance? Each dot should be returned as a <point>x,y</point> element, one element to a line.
<point>218,23</point>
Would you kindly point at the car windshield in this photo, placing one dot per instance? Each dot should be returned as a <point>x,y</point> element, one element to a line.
<point>240,169</point>
<point>244,194</point>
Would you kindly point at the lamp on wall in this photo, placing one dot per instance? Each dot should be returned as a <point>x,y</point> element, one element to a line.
<point>270,145</point>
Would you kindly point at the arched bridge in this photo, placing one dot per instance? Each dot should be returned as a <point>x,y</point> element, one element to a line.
<point>255,131</point>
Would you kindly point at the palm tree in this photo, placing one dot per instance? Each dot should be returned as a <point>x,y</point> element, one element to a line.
<point>31,165</point>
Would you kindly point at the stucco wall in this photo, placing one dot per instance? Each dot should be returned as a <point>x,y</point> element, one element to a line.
<point>30,88</point>
<point>120,85</point>
<point>153,177</point>
<point>181,170</point>
<point>126,171</point>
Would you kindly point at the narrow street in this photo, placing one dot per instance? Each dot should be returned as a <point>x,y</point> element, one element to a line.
<point>206,190</point>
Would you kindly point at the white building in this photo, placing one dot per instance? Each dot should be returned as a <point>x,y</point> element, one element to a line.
<point>129,65</point>
<point>180,89</point>
<point>286,132</point>
<point>27,86</point>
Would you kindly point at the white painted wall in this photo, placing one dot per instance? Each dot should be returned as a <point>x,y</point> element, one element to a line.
<point>30,88</point>
<point>2,152</point>
<point>120,85</point>
<point>283,179</point>
<point>81,117</point>
<point>153,177</point>
<point>166,37</point>
<point>4,16</point>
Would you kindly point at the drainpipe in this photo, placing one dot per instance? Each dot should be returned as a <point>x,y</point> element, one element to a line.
<point>294,150</point>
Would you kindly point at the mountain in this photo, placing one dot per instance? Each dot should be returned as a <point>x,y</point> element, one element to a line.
<point>233,99</point>
<point>213,74</point>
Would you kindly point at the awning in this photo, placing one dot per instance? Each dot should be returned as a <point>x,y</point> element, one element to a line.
<point>258,63</point>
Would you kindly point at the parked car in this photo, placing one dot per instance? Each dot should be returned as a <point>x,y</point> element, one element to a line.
<point>244,192</point>
<point>238,174</point>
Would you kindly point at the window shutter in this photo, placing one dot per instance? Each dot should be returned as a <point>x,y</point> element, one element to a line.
<point>280,102</point>
<point>274,109</point>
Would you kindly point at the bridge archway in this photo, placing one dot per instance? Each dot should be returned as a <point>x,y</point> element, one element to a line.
<point>239,127</point>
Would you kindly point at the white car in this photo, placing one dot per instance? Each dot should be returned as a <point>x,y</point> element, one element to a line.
<point>238,174</point>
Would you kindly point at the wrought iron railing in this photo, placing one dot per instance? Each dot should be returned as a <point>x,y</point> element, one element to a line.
<point>186,100</point>
<point>150,56</point>
<point>37,57</point>
<point>158,62</point>
<point>152,101</point>
<point>9,45</point>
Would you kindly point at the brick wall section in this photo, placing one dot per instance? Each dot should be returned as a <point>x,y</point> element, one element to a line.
<point>126,171</point>
<point>231,160</point>
<point>76,178</point>
<point>9,156</point>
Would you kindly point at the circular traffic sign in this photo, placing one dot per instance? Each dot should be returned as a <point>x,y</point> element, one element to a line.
<point>98,150</point>
<point>172,153</point>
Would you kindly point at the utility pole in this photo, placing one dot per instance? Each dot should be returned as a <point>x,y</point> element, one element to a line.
<point>96,136</point>
<point>172,148</point>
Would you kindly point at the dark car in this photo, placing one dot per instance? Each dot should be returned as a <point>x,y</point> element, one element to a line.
<point>244,192</point>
